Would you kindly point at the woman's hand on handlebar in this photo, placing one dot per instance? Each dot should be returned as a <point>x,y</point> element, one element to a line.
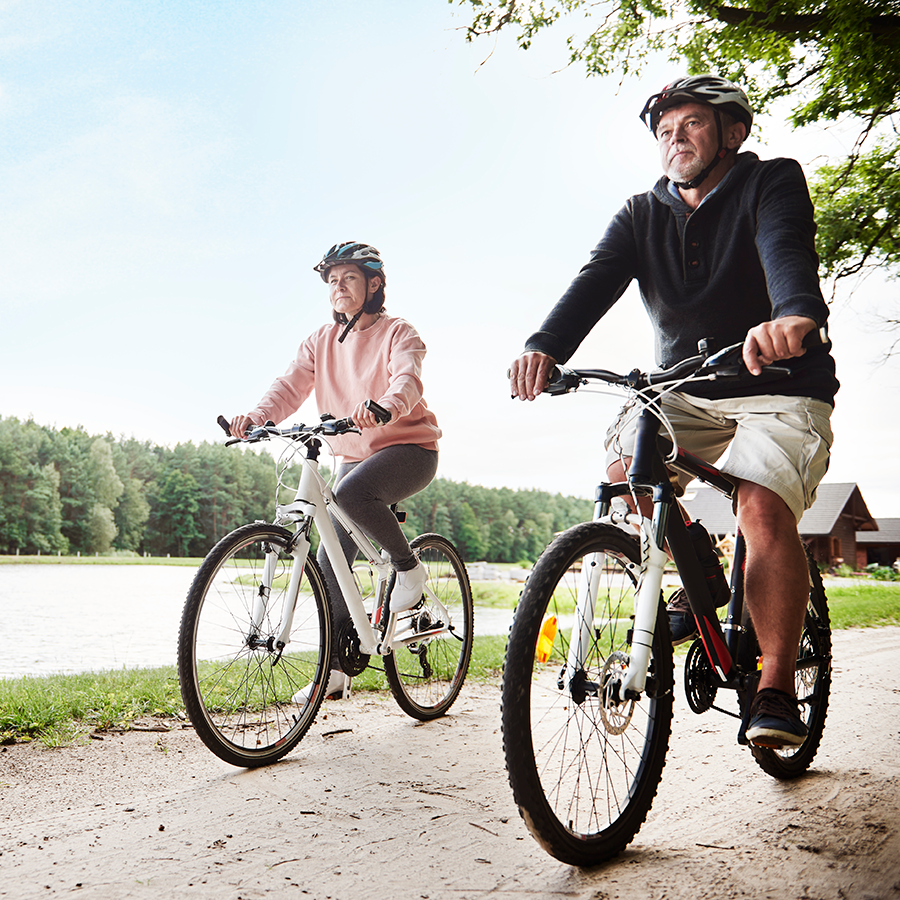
<point>779,339</point>
<point>240,425</point>
<point>364,418</point>
<point>529,374</point>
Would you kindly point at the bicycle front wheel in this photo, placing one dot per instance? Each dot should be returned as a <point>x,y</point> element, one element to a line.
<point>812,683</point>
<point>249,698</point>
<point>426,675</point>
<point>583,765</point>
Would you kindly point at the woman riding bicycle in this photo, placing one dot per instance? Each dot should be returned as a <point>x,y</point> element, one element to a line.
<point>363,355</point>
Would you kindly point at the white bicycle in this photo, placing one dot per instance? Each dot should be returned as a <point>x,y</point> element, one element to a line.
<point>257,624</point>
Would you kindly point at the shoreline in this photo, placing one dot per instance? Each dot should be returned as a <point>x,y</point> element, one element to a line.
<point>50,560</point>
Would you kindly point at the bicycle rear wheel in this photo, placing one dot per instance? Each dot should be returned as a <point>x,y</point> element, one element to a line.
<point>237,684</point>
<point>584,769</point>
<point>426,676</point>
<point>812,683</point>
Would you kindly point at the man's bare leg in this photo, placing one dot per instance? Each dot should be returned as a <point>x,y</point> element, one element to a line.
<point>776,582</point>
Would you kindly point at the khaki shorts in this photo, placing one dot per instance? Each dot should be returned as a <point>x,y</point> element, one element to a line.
<point>781,443</point>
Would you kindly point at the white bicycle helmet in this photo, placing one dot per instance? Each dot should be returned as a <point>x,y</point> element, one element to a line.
<point>713,90</point>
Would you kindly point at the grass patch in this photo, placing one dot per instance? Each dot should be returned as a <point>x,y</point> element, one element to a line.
<point>863,604</point>
<point>44,708</point>
<point>61,709</point>
<point>496,594</point>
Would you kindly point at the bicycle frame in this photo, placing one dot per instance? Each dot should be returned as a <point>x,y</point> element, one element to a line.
<point>648,476</point>
<point>314,503</point>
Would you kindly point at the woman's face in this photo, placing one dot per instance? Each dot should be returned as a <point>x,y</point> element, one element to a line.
<point>349,289</point>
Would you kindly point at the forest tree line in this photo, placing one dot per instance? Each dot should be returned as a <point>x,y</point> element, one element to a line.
<point>67,491</point>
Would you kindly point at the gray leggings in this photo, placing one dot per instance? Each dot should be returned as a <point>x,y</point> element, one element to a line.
<point>366,490</point>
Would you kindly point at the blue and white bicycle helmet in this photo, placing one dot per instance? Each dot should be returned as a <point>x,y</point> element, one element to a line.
<point>369,260</point>
<point>354,253</point>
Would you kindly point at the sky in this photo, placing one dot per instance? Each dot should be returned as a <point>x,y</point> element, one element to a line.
<point>170,172</point>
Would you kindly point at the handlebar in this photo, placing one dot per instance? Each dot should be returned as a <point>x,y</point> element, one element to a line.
<point>709,364</point>
<point>329,426</point>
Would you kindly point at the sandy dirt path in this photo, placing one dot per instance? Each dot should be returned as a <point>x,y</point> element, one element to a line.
<point>373,804</point>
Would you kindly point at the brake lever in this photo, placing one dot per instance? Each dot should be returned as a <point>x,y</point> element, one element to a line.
<point>562,381</point>
<point>334,427</point>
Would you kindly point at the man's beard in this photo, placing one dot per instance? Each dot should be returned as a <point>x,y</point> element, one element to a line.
<point>683,171</point>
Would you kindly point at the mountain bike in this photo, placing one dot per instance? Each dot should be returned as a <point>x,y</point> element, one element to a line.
<point>585,734</point>
<point>256,636</point>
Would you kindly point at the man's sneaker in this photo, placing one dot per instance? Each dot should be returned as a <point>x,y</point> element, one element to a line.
<point>775,720</point>
<point>682,624</point>
<point>338,688</point>
<point>408,587</point>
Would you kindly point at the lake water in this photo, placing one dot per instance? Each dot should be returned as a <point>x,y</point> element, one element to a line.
<point>87,618</point>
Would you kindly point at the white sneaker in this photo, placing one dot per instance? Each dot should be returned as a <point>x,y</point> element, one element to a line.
<point>338,687</point>
<point>408,588</point>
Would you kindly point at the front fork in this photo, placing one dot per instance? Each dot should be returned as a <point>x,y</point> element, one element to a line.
<point>299,550</point>
<point>653,561</point>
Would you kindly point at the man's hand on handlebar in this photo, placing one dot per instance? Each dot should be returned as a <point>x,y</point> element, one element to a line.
<point>529,373</point>
<point>779,339</point>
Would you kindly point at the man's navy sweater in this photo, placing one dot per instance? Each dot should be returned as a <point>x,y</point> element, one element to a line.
<point>745,256</point>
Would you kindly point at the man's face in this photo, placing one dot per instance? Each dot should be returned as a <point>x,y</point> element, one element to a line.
<point>688,140</point>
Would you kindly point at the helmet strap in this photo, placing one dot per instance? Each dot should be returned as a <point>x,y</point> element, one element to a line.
<point>349,327</point>
<point>721,153</point>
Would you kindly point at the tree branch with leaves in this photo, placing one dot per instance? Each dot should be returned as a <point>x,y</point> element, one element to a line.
<point>834,62</point>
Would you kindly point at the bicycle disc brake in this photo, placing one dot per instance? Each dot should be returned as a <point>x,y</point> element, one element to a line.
<point>353,661</point>
<point>700,687</point>
<point>616,713</point>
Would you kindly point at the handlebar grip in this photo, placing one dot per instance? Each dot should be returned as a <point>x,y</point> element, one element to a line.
<point>383,415</point>
<point>223,423</point>
<point>815,337</point>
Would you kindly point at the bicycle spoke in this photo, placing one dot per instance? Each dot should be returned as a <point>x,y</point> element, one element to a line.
<point>237,683</point>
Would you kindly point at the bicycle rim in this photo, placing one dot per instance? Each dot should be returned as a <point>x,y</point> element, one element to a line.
<point>583,769</point>
<point>426,676</point>
<point>236,684</point>
<point>812,683</point>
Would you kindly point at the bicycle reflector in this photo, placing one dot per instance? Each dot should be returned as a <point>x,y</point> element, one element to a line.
<point>546,636</point>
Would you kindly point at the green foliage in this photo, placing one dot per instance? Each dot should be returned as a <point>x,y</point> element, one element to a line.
<point>70,492</point>
<point>835,61</point>
<point>882,573</point>
<point>858,210</point>
<point>497,524</point>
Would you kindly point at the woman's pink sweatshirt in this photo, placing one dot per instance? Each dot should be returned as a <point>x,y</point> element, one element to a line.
<point>382,363</point>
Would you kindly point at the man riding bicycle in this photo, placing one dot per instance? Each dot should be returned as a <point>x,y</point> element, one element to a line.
<point>723,247</point>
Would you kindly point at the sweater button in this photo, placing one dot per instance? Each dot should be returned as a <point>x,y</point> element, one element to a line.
<point>694,263</point>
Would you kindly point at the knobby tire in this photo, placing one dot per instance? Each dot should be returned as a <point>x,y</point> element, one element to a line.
<point>584,770</point>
